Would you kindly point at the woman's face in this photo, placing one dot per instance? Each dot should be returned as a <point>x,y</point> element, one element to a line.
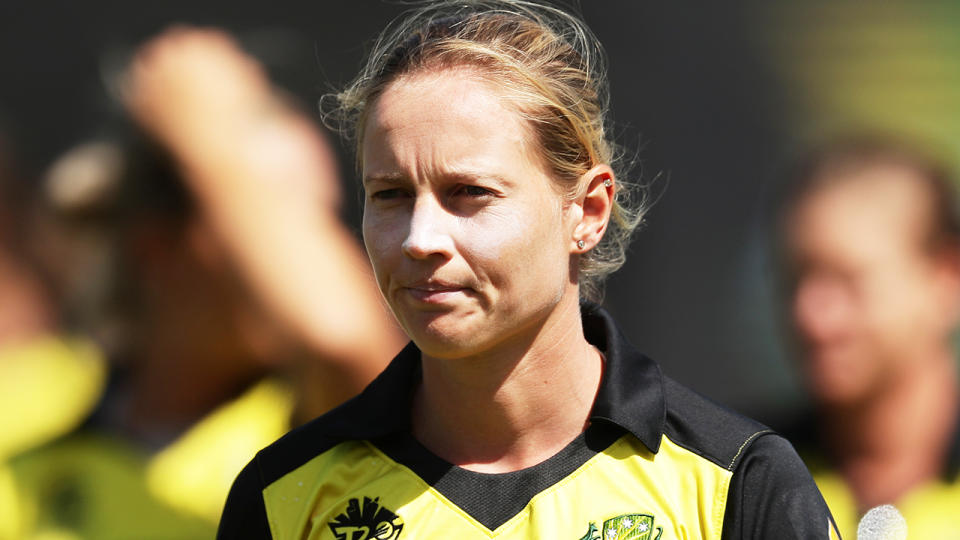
<point>470,241</point>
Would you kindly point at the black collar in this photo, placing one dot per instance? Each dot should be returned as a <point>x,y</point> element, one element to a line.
<point>631,390</point>
<point>630,394</point>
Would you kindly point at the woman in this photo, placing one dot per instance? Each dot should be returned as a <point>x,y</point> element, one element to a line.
<point>491,209</point>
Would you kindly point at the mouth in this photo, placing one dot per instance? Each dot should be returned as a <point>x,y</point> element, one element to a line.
<point>435,292</point>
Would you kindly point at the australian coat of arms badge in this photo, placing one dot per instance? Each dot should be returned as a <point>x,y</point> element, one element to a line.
<point>625,527</point>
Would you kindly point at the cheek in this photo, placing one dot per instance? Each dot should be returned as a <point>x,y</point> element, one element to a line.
<point>895,304</point>
<point>382,241</point>
<point>519,247</point>
<point>495,238</point>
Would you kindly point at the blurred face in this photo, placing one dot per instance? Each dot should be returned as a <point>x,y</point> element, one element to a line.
<point>469,239</point>
<point>868,300</point>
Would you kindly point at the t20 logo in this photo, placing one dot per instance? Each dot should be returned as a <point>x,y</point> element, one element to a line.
<point>366,520</point>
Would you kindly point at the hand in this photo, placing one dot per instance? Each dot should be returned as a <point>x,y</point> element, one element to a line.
<point>194,80</point>
<point>198,94</point>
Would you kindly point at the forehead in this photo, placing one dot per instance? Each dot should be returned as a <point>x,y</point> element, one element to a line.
<point>448,116</point>
<point>884,208</point>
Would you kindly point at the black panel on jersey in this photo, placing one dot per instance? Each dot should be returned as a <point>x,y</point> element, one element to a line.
<point>492,499</point>
<point>705,428</point>
<point>381,409</point>
<point>770,496</point>
<point>243,515</point>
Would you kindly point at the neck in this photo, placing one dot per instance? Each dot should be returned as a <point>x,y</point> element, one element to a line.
<point>882,448</point>
<point>514,407</point>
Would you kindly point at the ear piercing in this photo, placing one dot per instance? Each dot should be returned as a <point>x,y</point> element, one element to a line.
<point>580,243</point>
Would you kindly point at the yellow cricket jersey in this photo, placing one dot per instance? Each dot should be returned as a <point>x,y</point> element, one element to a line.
<point>52,382</point>
<point>658,462</point>
<point>94,484</point>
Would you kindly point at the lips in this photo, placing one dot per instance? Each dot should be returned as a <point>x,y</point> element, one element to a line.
<point>435,291</point>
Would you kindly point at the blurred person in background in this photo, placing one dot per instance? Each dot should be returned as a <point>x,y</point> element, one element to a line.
<point>238,303</point>
<point>31,346</point>
<point>25,311</point>
<point>49,380</point>
<point>871,252</point>
<point>267,184</point>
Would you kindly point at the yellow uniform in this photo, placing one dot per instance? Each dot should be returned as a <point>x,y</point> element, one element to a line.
<point>658,462</point>
<point>94,484</point>
<point>52,382</point>
<point>932,510</point>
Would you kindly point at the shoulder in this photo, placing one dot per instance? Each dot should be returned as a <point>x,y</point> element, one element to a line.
<point>708,429</point>
<point>245,513</point>
<point>760,487</point>
<point>743,446</point>
<point>382,408</point>
<point>63,377</point>
<point>350,421</point>
<point>771,494</point>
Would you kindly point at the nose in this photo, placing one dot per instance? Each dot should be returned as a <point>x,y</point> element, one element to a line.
<point>822,307</point>
<point>428,231</point>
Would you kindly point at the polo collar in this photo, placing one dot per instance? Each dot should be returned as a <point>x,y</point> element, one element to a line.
<point>630,394</point>
<point>631,390</point>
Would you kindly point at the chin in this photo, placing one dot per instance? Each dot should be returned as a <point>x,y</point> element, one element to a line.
<point>443,337</point>
<point>839,389</point>
<point>835,376</point>
<point>446,346</point>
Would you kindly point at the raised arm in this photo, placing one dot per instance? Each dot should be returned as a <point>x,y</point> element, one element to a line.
<point>267,181</point>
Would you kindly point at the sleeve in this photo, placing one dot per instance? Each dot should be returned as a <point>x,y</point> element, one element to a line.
<point>244,515</point>
<point>772,495</point>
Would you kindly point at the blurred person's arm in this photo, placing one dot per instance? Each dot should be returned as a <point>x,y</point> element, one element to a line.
<point>267,181</point>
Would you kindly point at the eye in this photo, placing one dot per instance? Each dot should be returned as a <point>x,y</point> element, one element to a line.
<point>473,191</point>
<point>387,194</point>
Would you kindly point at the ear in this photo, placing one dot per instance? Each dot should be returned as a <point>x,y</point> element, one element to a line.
<point>592,208</point>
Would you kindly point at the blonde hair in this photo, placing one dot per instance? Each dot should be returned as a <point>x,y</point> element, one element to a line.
<point>547,62</point>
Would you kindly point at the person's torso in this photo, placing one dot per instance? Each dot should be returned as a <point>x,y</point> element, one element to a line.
<point>356,491</point>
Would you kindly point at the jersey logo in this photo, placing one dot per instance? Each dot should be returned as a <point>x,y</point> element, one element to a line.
<point>625,527</point>
<point>366,521</point>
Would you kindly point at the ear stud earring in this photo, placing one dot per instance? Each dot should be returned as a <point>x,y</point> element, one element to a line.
<point>608,182</point>
<point>580,244</point>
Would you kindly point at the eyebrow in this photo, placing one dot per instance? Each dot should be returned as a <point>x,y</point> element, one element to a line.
<point>388,178</point>
<point>467,175</point>
<point>461,175</point>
